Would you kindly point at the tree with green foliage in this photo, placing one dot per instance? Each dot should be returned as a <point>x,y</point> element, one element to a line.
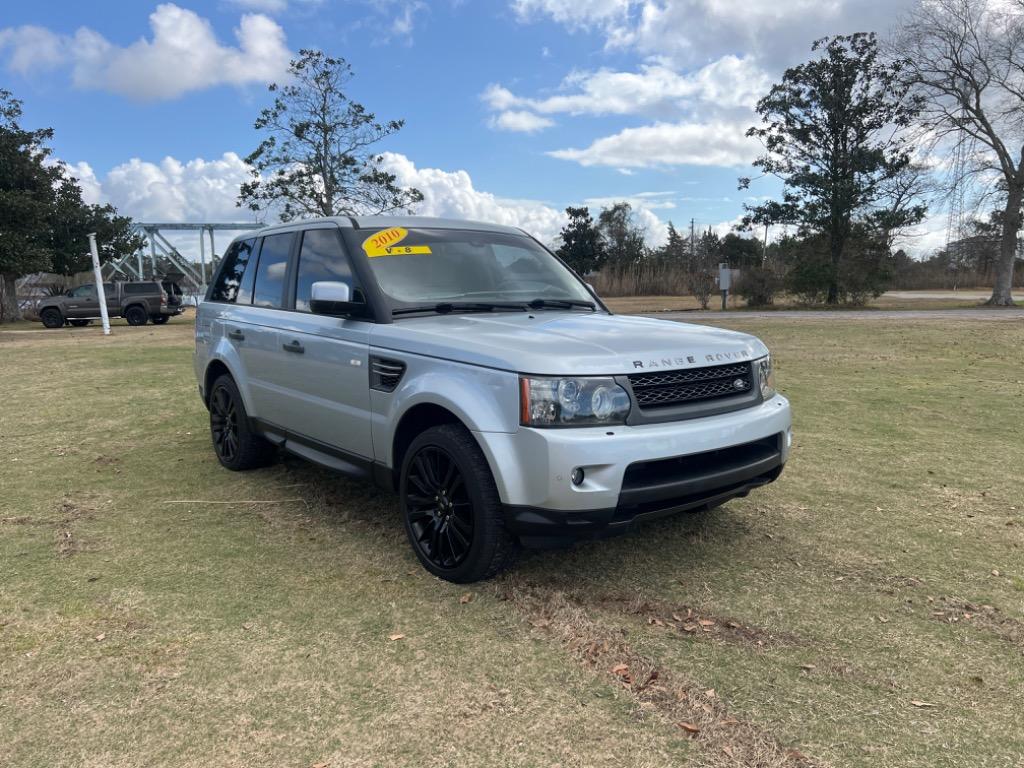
<point>676,250</point>
<point>834,133</point>
<point>623,239</point>
<point>581,247</point>
<point>741,252</point>
<point>316,158</point>
<point>43,221</point>
<point>27,197</point>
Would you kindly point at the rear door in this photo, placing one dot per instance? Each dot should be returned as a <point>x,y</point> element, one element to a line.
<point>324,374</point>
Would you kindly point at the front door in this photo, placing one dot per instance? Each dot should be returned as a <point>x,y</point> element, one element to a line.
<point>82,302</point>
<point>324,377</point>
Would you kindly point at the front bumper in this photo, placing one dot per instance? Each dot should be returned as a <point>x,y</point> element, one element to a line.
<point>633,473</point>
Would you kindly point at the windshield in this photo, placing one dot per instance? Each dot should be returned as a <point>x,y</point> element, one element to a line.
<point>437,266</point>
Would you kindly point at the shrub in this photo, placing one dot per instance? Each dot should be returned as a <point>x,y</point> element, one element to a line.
<point>758,286</point>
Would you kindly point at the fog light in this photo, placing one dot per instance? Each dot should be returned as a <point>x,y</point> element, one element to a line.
<point>577,476</point>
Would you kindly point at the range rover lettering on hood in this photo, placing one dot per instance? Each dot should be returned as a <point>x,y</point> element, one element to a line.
<point>672,362</point>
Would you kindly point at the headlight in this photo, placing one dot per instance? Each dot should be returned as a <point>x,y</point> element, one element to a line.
<point>766,375</point>
<point>571,402</point>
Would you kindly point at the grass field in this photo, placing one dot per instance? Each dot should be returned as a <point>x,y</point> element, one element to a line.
<point>866,610</point>
<point>895,300</point>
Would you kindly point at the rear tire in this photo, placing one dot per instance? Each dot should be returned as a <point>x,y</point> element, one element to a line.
<point>236,445</point>
<point>451,509</point>
<point>52,318</point>
<point>136,315</point>
<point>159,319</point>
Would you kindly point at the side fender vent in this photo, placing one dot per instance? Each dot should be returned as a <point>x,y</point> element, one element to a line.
<point>385,373</point>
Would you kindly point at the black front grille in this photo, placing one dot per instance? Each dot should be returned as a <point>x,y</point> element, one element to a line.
<point>661,390</point>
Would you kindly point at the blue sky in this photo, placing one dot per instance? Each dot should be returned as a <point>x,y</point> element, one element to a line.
<point>514,108</point>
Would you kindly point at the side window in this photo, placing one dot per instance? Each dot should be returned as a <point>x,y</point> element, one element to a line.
<point>247,251</point>
<point>229,279</point>
<point>137,289</point>
<point>322,258</point>
<point>84,291</point>
<point>269,288</point>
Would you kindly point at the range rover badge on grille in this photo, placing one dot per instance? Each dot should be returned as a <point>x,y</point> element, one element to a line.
<point>739,384</point>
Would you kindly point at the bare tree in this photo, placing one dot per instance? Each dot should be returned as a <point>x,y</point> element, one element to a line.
<point>965,60</point>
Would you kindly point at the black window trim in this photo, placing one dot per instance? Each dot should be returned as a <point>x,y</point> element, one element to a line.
<point>352,263</point>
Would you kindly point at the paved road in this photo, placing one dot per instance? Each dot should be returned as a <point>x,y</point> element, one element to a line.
<point>982,315</point>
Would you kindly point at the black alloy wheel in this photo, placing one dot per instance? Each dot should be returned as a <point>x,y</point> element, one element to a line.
<point>236,445</point>
<point>438,508</point>
<point>452,513</point>
<point>136,316</point>
<point>52,318</point>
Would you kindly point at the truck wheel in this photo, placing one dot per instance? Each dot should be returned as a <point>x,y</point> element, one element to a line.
<point>79,323</point>
<point>159,319</point>
<point>52,318</point>
<point>236,445</point>
<point>136,315</point>
<point>451,508</point>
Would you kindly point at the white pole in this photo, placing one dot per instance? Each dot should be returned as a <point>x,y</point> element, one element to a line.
<point>202,259</point>
<point>98,274</point>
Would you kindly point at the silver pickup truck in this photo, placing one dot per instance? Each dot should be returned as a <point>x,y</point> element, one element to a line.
<point>465,367</point>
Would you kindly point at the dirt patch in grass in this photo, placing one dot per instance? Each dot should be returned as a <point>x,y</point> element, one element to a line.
<point>70,513</point>
<point>681,704</point>
<point>685,619</point>
<point>986,618</point>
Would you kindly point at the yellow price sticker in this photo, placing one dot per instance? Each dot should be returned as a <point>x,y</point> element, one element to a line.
<point>386,243</point>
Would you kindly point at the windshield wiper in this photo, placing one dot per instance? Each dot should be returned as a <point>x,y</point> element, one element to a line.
<point>459,306</point>
<point>561,304</point>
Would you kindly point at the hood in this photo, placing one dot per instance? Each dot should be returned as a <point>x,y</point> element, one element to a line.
<point>567,343</point>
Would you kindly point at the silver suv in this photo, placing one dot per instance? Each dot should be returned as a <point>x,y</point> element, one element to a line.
<point>464,366</point>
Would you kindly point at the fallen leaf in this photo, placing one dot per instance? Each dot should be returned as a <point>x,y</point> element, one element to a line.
<point>677,617</point>
<point>466,598</point>
<point>706,622</point>
<point>883,619</point>
<point>995,572</point>
<point>923,704</point>
<point>620,669</point>
<point>396,636</point>
<point>710,693</point>
<point>320,765</point>
<point>808,667</point>
<point>689,728</point>
<point>100,637</point>
<point>728,751</point>
<point>689,627</point>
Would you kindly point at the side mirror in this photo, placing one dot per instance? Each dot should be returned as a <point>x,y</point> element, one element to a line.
<point>331,298</point>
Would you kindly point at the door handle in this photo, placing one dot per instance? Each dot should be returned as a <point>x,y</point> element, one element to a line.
<point>236,335</point>
<point>294,346</point>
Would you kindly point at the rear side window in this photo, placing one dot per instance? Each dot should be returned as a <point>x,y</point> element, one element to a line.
<point>268,290</point>
<point>138,289</point>
<point>84,291</point>
<point>229,279</point>
<point>321,258</point>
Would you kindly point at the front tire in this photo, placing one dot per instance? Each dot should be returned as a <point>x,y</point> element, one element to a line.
<point>52,318</point>
<point>136,316</point>
<point>451,509</point>
<point>236,445</point>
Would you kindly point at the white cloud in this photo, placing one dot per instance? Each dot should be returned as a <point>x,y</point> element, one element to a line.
<point>665,144</point>
<point>647,200</point>
<point>575,14</point>
<point>262,6</point>
<point>520,121</point>
<point>31,49</point>
<point>729,82</point>
<point>694,31</point>
<point>196,190</point>
<point>182,55</point>
<point>451,193</point>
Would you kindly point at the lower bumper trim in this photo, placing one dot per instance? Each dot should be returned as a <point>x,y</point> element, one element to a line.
<point>542,528</point>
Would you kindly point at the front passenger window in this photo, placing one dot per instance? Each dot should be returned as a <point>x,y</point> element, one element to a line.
<point>322,258</point>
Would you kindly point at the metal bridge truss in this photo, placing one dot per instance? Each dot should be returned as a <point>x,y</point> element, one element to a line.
<point>164,258</point>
